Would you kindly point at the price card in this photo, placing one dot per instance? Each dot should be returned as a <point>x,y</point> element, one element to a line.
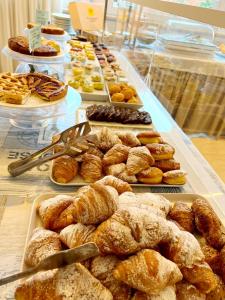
<point>34,37</point>
<point>42,17</point>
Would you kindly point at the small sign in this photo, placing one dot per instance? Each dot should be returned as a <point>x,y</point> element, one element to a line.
<point>34,37</point>
<point>42,17</point>
<point>86,16</point>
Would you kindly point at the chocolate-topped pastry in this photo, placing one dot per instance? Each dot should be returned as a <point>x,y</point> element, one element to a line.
<point>117,114</point>
<point>98,49</point>
<point>110,59</point>
<point>102,45</point>
<point>108,54</point>
<point>45,51</point>
<point>100,56</point>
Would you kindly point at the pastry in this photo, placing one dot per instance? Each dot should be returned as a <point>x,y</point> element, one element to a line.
<point>91,167</point>
<point>183,215</point>
<point>161,151</point>
<point>133,100</point>
<point>220,264</point>
<point>151,175</point>
<point>118,184</point>
<point>102,269</point>
<point>98,86</point>
<point>208,224</point>
<point>139,159</point>
<point>74,83</point>
<point>71,282</point>
<point>96,77</point>
<point>126,177</point>
<point>201,276</point>
<point>88,68</point>
<point>174,177</point>
<point>148,271</point>
<point>113,87</point>
<point>117,97</point>
<point>169,293</point>
<point>148,137</point>
<point>64,169</point>
<point>53,44</point>
<point>117,154</point>
<point>128,93</point>
<point>213,258</point>
<point>218,293</point>
<point>76,235</point>
<point>129,139</point>
<point>167,165</point>
<point>107,139</point>
<point>117,114</point>
<point>31,25</point>
<point>187,291</point>
<point>52,213</point>
<point>42,244</point>
<point>94,204</point>
<point>115,170</point>
<point>52,29</point>
<point>77,71</point>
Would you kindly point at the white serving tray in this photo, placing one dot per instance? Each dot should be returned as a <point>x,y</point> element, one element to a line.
<point>35,220</point>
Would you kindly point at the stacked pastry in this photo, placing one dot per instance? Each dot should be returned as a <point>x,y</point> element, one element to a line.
<point>148,250</point>
<point>144,158</point>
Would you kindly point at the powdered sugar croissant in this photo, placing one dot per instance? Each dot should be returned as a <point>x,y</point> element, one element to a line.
<point>107,139</point>
<point>117,183</point>
<point>169,293</point>
<point>117,154</point>
<point>139,158</point>
<point>148,271</point>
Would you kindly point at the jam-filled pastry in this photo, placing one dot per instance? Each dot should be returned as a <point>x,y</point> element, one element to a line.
<point>139,158</point>
<point>148,271</point>
<point>187,291</point>
<point>107,139</point>
<point>169,293</point>
<point>183,215</point>
<point>115,170</point>
<point>117,154</point>
<point>152,175</point>
<point>91,167</point>
<point>118,184</point>
<point>176,177</point>
<point>129,139</point>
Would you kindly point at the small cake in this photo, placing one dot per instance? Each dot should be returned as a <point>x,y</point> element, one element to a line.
<point>91,56</point>
<point>77,71</point>
<point>148,137</point>
<point>98,86</point>
<point>111,78</point>
<point>151,175</point>
<point>161,151</point>
<point>117,97</point>
<point>96,77</point>
<point>87,87</point>
<point>74,84</point>
<point>174,177</point>
<point>128,93</point>
<point>88,68</point>
<point>114,88</point>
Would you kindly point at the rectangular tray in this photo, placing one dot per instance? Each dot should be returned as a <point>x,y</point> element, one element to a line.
<point>35,221</point>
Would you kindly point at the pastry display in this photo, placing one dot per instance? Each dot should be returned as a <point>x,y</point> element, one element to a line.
<point>105,113</point>
<point>16,88</point>
<point>122,155</point>
<point>20,44</point>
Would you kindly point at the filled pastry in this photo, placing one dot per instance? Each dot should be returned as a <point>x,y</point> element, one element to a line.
<point>161,151</point>
<point>151,175</point>
<point>174,177</point>
<point>148,137</point>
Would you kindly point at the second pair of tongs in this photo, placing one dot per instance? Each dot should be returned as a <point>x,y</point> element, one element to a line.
<point>75,139</point>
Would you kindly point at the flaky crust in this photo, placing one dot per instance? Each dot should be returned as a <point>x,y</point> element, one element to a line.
<point>76,235</point>
<point>117,183</point>
<point>64,169</point>
<point>117,154</point>
<point>107,139</point>
<point>102,268</point>
<point>42,244</point>
<point>71,282</point>
<point>129,139</point>
<point>167,165</point>
<point>91,167</point>
<point>208,224</point>
<point>126,177</point>
<point>139,158</point>
<point>148,271</point>
<point>51,211</point>
<point>183,215</point>
<point>166,294</point>
<point>212,257</point>
<point>115,170</point>
<point>187,291</point>
<point>219,292</point>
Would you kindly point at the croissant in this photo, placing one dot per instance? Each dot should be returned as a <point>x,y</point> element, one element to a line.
<point>213,258</point>
<point>115,170</point>
<point>130,230</point>
<point>220,266</point>
<point>219,292</point>
<point>96,204</point>
<point>107,139</point>
<point>208,224</point>
<point>168,293</point>
<point>118,184</point>
<point>183,215</point>
<point>139,158</point>
<point>187,291</point>
<point>64,169</point>
<point>126,177</point>
<point>148,271</point>
<point>42,244</point>
<point>102,269</point>
<point>71,282</point>
<point>117,154</point>
<point>76,235</point>
<point>91,167</point>
<point>129,139</point>
<point>52,212</point>
<point>202,276</point>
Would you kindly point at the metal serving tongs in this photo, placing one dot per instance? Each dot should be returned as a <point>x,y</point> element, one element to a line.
<point>75,139</point>
<point>57,260</point>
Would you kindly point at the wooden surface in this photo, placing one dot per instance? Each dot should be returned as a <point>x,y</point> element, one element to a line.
<point>214,152</point>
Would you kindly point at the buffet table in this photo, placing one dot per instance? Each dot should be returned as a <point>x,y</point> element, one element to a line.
<point>17,194</point>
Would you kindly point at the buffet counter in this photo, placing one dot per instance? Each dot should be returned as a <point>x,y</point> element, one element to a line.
<point>17,194</point>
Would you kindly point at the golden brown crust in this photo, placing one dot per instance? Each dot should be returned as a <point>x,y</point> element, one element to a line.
<point>129,139</point>
<point>148,272</point>
<point>166,294</point>
<point>117,183</point>
<point>167,165</point>
<point>208,224</point>
<point>64,169</point>
<point>52,29</point>
<point>148,134</point>
<point>107,139</point>
<point>212,257</point>
<point>91,167</point>
<point>151,175</point>
<point>139,158</point>
<point>187,291</point>
<point>117,154</point>
<point>218,293</point>
<point>42,244</point>
<point>174,177</point>
<point>115,170</point>
<point>126,177</point>
<point>183,215</point>
<point>161,151</point>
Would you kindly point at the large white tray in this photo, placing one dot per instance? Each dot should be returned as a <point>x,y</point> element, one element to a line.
<point>35,220</point>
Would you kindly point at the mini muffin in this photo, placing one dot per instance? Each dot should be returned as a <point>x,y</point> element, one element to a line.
<point>117,97</point>
<point>174,177</point>
<point>128,93</point>
<point>114,88</point>
<point>151,175</point>
<point>148,137</point>
<point>161,151</point>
